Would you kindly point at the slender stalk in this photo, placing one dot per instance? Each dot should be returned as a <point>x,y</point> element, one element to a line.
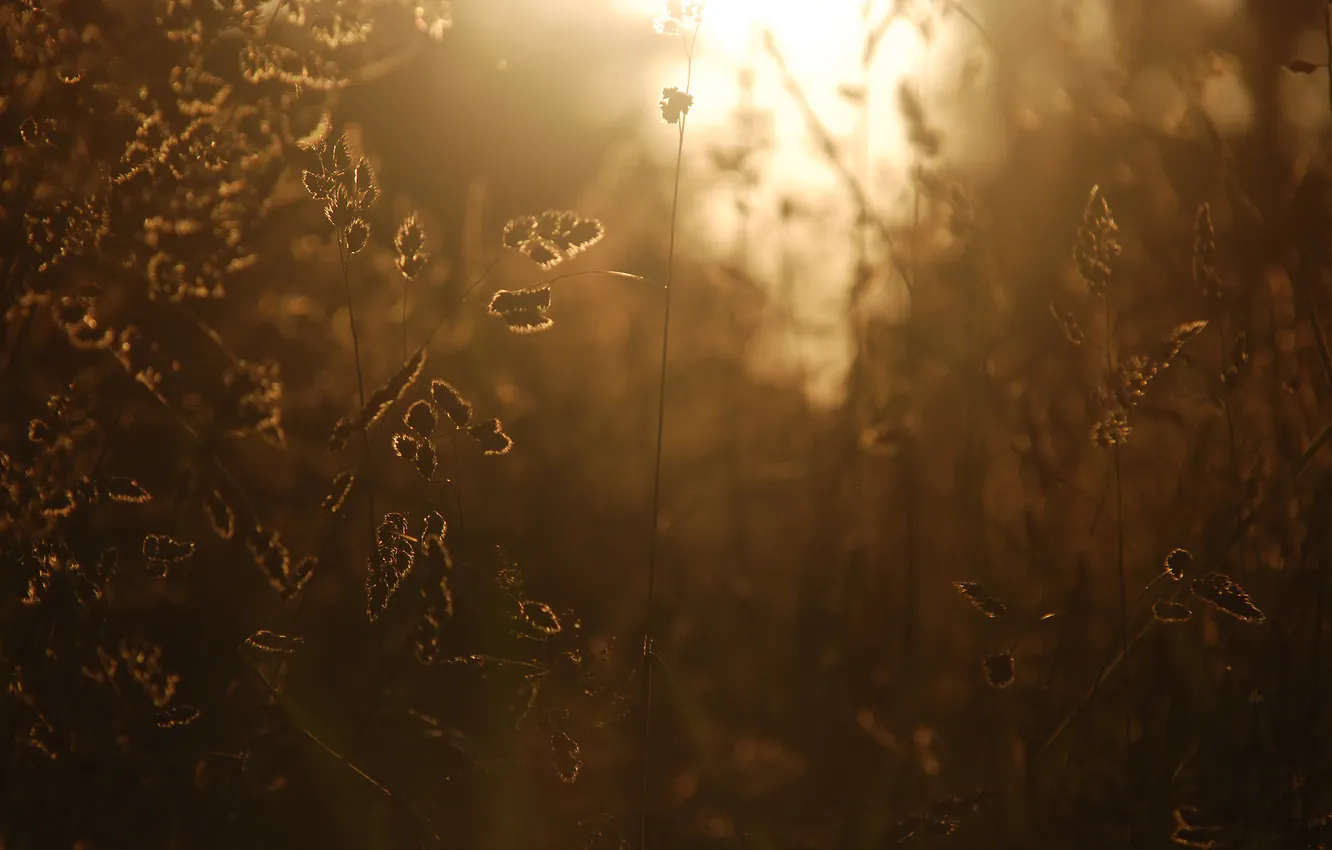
<point>1119,551</point>
<point>457,476</point>
<point>351,322</point>
<point>344,255</point>
<point>651,595</point>
<point>908,468</point>
<point>1312,777</point>
<point>1227,408</point>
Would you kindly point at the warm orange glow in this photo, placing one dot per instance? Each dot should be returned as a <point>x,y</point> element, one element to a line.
<point>822,46</point>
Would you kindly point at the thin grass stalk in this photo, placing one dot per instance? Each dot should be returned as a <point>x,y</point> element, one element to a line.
<point>1311,783</point>
<point>344,256</point>
<point>908,466</point>
<point>1227,408</point>
<point>1119,546</point>
<point>651,594</point>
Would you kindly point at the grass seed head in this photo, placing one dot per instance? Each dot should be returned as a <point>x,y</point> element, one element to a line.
<point>1225,593</point>
<point>1177,563</point>
<point>674,104</point>
<point>425,459</point>
<point>338,491</point>
<point>999,670</point>
<point>490,434</point>
<point>406,446</point>
<point>1096,248</point>
<point>1204,254</point>
<point>221,518</point>
<point>447,398</point>
<point>984,601</point>
<point>1165,611</point>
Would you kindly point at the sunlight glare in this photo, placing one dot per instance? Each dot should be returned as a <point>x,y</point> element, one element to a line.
<point>807,260</point>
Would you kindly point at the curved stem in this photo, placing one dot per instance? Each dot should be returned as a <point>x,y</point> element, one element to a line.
<point>606,272</point>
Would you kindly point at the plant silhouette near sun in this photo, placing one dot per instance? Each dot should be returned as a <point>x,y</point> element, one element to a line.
<point>547,239</point>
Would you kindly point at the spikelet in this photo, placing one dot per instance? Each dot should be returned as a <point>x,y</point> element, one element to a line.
<point>266,641</point>
<point>434,526</point>
<point>421,418</point>
<point>568,232</point>
<point>982,599</point>
<point>999,670</point>
<point>1166,611</point>
<point>298,575</point>
<point>338,491</point>
<point>566,756</point>
<point>391,562</point>
<point>490,434</point>
<point>319,185</point>
<point>356,235</point>
<point>677,15</point>
<point>270,555</point>
<point>523,310</point>
<point>221,518</point>
<point>432,541</point>
<point>1181,335</point>
<point>1223,592</point>
<point>1189,832</point>
<point>430,628</point>
<point>552,237</point>
<point>1112,429</point>
<point>410,245</point>
<point>406,446</point>
<point>1204,254</point>
<point>143,661</point>
<point>385,571</point>
<point>1068,323</point>
<point>1177,562</point>
<point>674,104</point>
<point>41,433</point>
<point>1096,249</point>
<point>392,390</point>
<point>162,552</point>
<point>123,489</point>
<point>425,459</point>
<point>449,400</point>
<point>177,715</point>
<point>540,617</point>
<point>58,504</point>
